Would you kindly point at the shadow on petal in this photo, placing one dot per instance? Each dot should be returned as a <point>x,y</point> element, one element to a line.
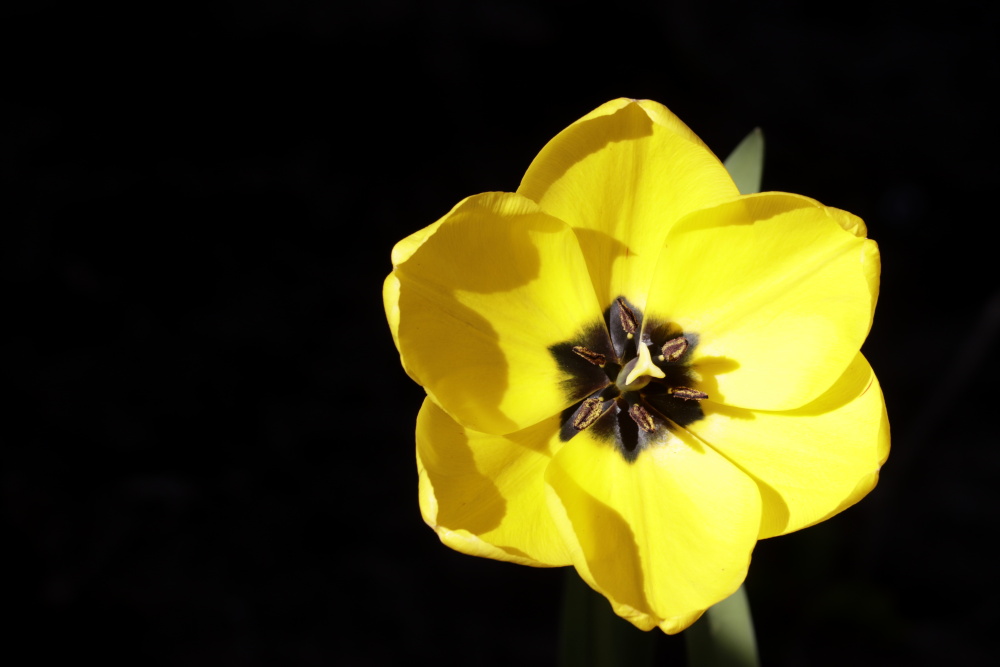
<point>483,493</point>
<point>774,514</point>
<point>586,137</point>
<point>711,407</point>
<point>856,380</point>
<point>602,251</point>
<point>708,369</point>
<point>491,287</point>
<point>774,510</point>
<point>478,355</point>
<point>607,542</point>
<point>465,498</point>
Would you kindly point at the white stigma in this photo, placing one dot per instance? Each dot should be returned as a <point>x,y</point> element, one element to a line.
<point>643,366</point>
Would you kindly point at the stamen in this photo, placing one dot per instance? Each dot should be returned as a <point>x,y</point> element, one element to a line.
<point>595,358</point>
<point>589,412</point>
<point>652,382</point>
<point>687,393</point>
<point>641,417</point>
<point>627,318</point>
<point>674,349</point>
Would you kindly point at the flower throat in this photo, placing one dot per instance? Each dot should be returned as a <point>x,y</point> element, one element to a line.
<point>636,377</point>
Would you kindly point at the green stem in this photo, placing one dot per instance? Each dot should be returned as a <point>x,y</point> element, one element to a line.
<point>592,635</point>
<point>724,636</point>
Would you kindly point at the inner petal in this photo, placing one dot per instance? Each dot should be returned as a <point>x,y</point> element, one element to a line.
<point>488,291</point>
<point>779,292</point>
<point>621,177</point>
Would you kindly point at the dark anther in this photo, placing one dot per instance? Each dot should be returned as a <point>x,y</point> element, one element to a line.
<point>687,393</point>
<point>596,363</point>
<point>595,358</point>
<point>674,348</point>
<point>589,412</point>
<point>627,317</point>
<point>642,418</point>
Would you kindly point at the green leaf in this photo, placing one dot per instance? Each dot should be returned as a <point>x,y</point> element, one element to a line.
<point>724,636</point>
<point>591,634</point>
<point>746,163</point>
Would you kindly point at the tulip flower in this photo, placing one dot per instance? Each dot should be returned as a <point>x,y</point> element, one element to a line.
<point>633,369</point>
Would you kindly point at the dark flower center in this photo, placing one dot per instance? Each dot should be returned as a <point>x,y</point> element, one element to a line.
<point>636,376</point>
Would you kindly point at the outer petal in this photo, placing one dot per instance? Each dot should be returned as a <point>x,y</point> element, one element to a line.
<point>778,292</point>
<point>621,176</point>
<point>664,537</point>
<point>478,298</point>
<point>390,299</point>
<point>483,494</point>
<point>812,462</point>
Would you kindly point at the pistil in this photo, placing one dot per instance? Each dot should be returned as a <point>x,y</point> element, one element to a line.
<point>636,377</point>
<point>638,372</point>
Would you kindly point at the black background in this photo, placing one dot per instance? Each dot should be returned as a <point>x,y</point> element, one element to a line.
<point>208,457</point>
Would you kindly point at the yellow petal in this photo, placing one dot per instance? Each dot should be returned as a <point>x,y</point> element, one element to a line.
<point>621,177</point>
<point>390,299</point>
<point>485,494</point>
<point>812,462</point>
<point>778,292</point>
<point>480,299</point>
<point>663,537</point>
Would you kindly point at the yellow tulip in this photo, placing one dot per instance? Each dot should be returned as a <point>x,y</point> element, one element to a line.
<point>635,370</point>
